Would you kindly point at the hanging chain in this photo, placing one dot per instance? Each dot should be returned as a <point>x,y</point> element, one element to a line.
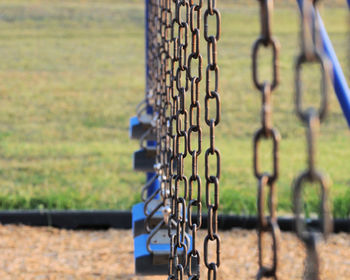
<point>175,74</point>
<point>311,118</point>
<point>166,163</point>
<point>168,84</point>
<point>266,224</point>
<point>163,141</point>
<point>172,140</point>
<point>194,138</point>
<point>178,217</point>
<point>212,96</point>
<point>161,104</point>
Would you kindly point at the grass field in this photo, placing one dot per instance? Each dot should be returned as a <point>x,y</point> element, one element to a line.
<point>72,72</point>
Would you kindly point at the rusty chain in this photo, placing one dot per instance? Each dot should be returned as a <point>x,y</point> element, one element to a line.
<point>171,136</point>
<point>311,117</point>
<point>212,120</point>
<point>266,224</point>
<point>194,135</point>
<point>184,133</point>
<point>165,93</point>
<point>180,27</point>
<point>170,77</point>
<point>156,91</point>
<point>161,91</point>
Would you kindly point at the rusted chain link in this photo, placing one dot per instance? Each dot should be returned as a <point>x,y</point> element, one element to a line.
<point>194,75</point>
<point>157,57</point>
<point>311,118</point>
<point>212,178</point>
<point>266,224</point>
<point>165,93</point>
<point>179,119</point>
<point>172,138</point>
<point>151,104</point>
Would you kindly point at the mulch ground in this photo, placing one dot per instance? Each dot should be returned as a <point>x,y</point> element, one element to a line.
<point>48,253</point>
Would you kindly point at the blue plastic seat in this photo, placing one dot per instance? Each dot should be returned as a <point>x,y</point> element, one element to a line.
<point>156,261</point>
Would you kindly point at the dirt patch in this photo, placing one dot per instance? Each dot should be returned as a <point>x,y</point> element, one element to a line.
<point>48,253</point>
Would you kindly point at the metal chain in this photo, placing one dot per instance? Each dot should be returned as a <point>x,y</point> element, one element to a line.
<point>180,116</point>
<point>161,90</point>
<point>166,145</point>
<point>266,224</point>
<point>156,79</point>
<point>168,45</point>
<point>212,178</point>
<point>172,141</point>
<point>311,118</point>
<point>194,138</point>
<point>165,104</point>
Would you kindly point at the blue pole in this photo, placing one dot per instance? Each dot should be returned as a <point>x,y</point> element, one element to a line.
<point>339,82</point>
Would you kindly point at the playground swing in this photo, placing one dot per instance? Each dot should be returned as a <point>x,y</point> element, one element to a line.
<point>166,222</point>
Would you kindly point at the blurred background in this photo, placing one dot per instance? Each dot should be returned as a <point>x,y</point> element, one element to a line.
<point>72,73</point>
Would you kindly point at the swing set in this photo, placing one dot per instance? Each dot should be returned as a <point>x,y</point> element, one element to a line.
<point>166,222</point>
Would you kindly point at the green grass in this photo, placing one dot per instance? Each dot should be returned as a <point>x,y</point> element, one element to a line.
<point>72,73</point>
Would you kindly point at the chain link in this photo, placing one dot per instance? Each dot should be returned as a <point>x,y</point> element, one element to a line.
<point>311,118</point>
<point>172,138</point>
<point>194,136</point>
<point>212,178</point>
<point>266,224</point>
<point>171,75</point>
<point>180,31</point>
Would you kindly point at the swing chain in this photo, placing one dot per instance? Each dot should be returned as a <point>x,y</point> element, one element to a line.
<point>212,179</point>
<point>311,117</point>
<point>161,88</point>
<point>194,131</point>
<point>166,24</point>
<point>157,39</point>
<point>173,51</point>
<point>178,218</point>
<point>266,224</point>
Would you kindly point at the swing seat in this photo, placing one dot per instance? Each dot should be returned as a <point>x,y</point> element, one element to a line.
<point>155,262</point>
<point>144,159</point>
<point>138,128</point>
<point>138,219</point>
<point>147,263</point>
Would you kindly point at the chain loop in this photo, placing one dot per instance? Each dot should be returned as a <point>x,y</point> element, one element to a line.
<point>311,118</point>
<point>275,137</point>
<point>266,224</point>
<point>274,44</point>
<point>175,61</point>
<point>181,140</point>
<point>322,111</point>
<point>212,179</point>
<point>265,271</point>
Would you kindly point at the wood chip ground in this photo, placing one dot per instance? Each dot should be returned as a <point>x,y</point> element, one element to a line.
<point>48,253</point>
